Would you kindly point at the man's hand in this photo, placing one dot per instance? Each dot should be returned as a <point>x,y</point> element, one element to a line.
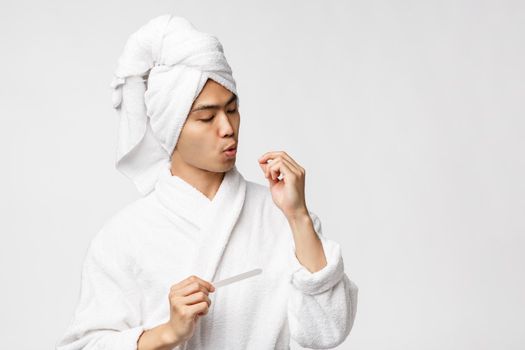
<point>288,195</point>
<point>288,192</point>
<point>188,301</point>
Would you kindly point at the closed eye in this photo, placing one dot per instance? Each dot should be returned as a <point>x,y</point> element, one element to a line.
<point>210,119</point>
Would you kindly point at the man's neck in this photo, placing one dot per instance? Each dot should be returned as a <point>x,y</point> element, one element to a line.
<point>206,182</point>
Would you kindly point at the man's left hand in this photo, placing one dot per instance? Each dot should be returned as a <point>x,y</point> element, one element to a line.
<point>288,192</point>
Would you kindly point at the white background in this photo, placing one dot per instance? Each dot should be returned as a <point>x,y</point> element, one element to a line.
<point>409,117</point>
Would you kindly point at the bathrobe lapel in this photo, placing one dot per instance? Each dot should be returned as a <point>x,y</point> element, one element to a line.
<point>218,224</point>
<point>214,220</point>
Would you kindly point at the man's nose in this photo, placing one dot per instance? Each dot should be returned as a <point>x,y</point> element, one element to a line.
<point>225,123</point>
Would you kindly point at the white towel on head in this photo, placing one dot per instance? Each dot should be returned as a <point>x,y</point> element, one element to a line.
<point>160,73</point>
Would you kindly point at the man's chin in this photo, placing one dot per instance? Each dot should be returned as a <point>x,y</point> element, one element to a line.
<point>229,166</point>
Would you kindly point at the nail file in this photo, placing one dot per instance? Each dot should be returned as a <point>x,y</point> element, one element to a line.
<point>236,278</point>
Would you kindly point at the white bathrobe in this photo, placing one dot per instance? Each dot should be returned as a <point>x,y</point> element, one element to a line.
<point>176,231</point>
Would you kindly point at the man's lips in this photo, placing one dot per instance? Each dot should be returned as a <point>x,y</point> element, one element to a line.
<point>231,147</point>
<point>231,152</point>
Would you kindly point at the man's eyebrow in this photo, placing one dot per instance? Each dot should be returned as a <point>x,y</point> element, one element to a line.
<point>208,106</point>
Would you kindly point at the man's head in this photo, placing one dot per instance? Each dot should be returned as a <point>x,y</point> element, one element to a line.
<point>166,68</point>
<point>211,126</point>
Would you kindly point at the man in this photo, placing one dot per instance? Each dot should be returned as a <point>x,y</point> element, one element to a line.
<point>148,277</point>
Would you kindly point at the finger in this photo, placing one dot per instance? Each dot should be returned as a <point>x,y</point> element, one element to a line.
<point>265,158</point>
<point>292,167</point>
<point>269,169</point>
<point>196,298</point>
<point>192,288</point>
<point>293,164</point>
<point>268,155</point>
<point>189,288</point>
<point>272,169</point>
<point>198,309</point>
<point>192,279</point>
<point>280,167</point>
<point>263,168</point>
<point>266,168</point>
<point>281,154</point>
<point>201,314</point>
<point>207,284</point>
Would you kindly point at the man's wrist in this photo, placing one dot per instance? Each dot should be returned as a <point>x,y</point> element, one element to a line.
<point>168,337</point>
<point>161,337</point>
<point>298,216</point>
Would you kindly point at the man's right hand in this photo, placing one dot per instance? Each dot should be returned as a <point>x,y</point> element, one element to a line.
<point>188,301</point>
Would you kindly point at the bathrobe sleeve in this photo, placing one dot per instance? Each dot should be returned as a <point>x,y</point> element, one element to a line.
<point>107,315</point>
<point>322,305</point>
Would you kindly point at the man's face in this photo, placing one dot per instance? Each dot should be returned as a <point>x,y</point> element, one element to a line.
<point>212,125</point>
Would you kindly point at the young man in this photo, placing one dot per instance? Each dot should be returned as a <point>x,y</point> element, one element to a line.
<point>148,276</point>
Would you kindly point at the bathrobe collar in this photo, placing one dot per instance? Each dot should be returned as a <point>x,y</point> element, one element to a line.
<point>215,218</point>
